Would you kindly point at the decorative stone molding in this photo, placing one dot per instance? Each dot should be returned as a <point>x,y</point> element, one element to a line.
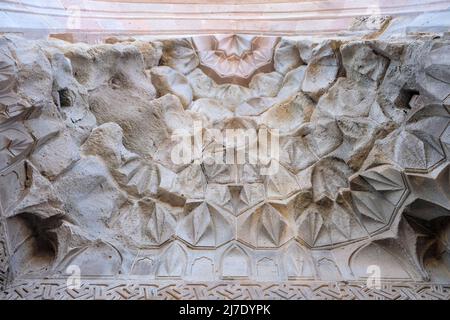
<point>234,58</point>
<point>92,20</point>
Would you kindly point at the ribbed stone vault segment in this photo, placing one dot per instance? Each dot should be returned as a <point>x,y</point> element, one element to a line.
<point>88,179</point>
<point>235,58</point>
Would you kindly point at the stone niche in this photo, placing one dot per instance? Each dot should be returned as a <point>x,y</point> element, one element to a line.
<point>93,207</point>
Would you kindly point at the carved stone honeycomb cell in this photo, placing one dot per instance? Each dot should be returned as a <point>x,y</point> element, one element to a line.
<point>89,186</point>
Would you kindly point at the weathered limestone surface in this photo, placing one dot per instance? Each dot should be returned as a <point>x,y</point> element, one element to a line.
<point>87,178</point>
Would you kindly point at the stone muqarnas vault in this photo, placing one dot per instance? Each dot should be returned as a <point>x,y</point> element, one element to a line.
<point>87,182</point>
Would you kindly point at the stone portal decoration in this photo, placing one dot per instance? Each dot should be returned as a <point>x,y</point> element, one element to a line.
<point>93,205</point>
<point>234,58</point>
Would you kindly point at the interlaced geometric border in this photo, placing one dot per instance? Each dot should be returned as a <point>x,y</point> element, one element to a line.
<point>56,289</point>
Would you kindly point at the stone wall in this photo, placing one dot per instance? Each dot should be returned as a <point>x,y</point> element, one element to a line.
<point>88,182</point>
